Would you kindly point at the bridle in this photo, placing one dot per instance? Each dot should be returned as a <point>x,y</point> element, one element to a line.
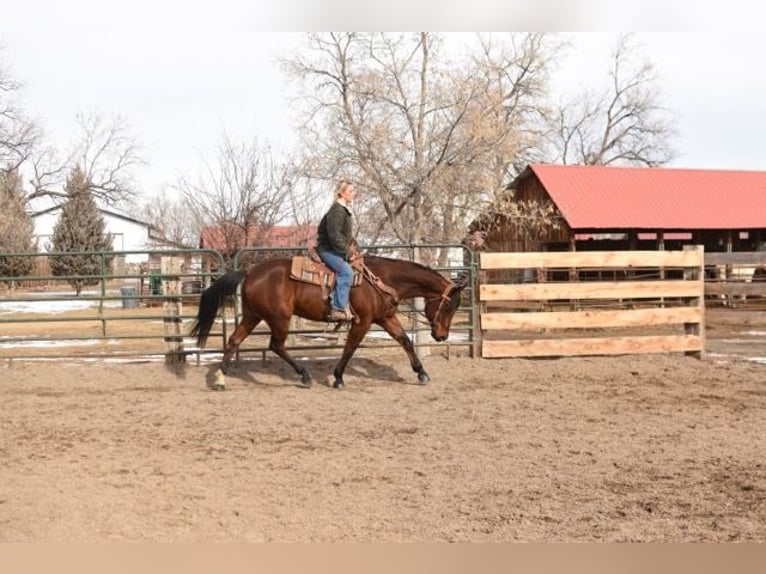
<point>445,297</point>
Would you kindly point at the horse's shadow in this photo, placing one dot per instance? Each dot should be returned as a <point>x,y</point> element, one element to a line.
<point>321,370</point>
<point>178,370</point>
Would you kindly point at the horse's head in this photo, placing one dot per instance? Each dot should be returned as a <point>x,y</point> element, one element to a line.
<point>440,310</point>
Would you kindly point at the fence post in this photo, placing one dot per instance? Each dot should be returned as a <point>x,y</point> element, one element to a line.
<point>170,267</point>
<point>478,307</point>
<point>421,339</point>
<point>697,274</point>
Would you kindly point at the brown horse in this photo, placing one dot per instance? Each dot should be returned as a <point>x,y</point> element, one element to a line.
<point>270,295</point>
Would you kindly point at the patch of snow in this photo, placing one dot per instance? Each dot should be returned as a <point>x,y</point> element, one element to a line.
<point>34,344</point>
<point>52,306</point>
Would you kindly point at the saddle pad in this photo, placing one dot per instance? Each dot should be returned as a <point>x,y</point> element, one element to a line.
<point>302,268</point>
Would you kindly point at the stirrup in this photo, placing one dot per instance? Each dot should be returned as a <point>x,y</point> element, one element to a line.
<point>340,315</point>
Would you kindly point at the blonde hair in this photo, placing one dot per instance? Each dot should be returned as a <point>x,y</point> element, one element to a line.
<point>341,187</point>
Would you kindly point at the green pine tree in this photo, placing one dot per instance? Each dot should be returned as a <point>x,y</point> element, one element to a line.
<point>16,229</point>
<point>80,227</point>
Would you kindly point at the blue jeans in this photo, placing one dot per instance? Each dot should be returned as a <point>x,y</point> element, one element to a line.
<point>344,275</point>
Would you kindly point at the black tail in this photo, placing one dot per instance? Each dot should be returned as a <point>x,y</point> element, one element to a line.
<point>210,301</point>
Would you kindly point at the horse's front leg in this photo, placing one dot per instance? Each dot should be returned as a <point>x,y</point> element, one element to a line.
<point>355,335</point>
<point>394,328</point>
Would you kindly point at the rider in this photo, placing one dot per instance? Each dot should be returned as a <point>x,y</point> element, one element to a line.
<point>334,237</point>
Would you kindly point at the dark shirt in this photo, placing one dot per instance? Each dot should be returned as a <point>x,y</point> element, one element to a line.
<point>335,230</point>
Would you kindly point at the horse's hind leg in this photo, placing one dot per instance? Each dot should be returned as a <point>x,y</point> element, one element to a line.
<point>277,345</point>
<point>243,329</point>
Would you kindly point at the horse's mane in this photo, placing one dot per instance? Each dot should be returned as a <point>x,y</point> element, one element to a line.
<point>368,257</point>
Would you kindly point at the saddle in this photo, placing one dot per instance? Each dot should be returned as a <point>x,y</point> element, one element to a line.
<point>310,269</point>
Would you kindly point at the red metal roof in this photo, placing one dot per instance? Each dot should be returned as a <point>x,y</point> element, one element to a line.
<point>598,197</point>
<point>215,236</point>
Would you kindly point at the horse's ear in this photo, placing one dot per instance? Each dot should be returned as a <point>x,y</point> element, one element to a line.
<point>462,281</point>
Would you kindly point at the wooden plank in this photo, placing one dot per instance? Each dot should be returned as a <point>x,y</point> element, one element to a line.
<point>590,290</point>
<point>590,319</point>
<point>697,329</point>
<point>736,289</point>
<point>592,346</point>
<point>749,258</point>
<point>589,259</point>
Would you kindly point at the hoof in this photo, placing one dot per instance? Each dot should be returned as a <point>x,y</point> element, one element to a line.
<point>220,381</point>
<point>338,384</point>
<point>423,378</point>
<point>306,380</point>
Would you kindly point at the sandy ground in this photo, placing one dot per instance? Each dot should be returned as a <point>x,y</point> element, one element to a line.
<point>633,448</point>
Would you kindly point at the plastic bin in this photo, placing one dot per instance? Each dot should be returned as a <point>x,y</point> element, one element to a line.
<point>155,282</point>
<point>129,300</point>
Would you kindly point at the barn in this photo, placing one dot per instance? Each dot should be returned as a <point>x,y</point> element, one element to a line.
<point>265,241</point>
<point>583,208</point>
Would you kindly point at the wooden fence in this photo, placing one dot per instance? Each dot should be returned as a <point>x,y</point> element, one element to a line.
<point>654,303</point>
<point>736,279</point>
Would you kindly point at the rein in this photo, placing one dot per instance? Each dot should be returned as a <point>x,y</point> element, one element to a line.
<point>384,289</point>
<point>378,284</point>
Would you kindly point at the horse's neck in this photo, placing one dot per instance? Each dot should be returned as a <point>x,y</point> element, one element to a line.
<point>412,280</point>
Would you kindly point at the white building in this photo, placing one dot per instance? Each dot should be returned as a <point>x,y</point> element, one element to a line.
<point>128,233</point>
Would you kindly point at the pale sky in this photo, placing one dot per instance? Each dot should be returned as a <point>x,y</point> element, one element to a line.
<point>181,72</point>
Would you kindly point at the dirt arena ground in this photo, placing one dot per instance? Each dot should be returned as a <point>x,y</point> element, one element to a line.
<point>633,448</point>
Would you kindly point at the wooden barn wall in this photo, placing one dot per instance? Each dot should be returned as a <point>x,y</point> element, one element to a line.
<point>504,235</point>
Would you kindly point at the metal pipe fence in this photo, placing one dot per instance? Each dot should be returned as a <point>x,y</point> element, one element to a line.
<point>120,309</point>
<point>129,307</point>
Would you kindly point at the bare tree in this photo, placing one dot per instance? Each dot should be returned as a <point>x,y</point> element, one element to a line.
<point>108,154</point>
<point>20,136</point>
<point>515,71</point>
<point>432,140</point>
<point>422,135</point>
<point>241,195</point>
<point>624,125</point>
<point>104,150</point>
<point>173,218</point>
<point>307,199</point>
<point>374,110</point>
<point>505,125</point>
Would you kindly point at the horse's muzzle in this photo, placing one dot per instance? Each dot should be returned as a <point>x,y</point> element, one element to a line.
<point>439,338</point>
